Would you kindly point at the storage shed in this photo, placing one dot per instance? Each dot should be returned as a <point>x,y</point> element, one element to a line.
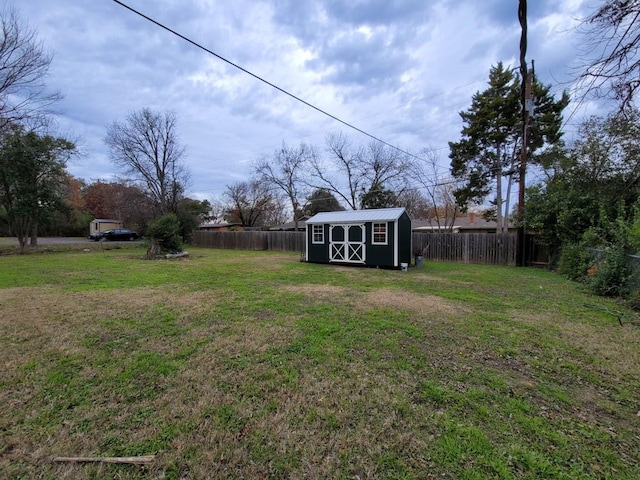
<point>377,237</point>
<point>103,224</point>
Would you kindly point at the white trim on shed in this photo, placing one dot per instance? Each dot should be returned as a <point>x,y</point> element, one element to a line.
<point>356,216</point>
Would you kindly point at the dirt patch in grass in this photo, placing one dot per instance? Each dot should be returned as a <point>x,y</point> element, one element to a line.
<point>423,305</point>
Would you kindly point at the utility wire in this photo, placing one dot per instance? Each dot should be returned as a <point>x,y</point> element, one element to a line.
<point>282,90</point>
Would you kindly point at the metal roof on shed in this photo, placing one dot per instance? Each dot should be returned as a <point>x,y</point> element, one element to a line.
<point>352,216</point>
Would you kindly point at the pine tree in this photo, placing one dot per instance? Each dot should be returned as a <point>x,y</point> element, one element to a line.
<point>487,155</point>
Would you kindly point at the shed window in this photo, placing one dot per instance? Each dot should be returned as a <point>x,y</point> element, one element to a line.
<point>379,234</point>
<point>318,234</point>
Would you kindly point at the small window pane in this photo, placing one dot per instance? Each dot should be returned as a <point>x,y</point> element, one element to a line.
<point>318,234</point>
<point>380,233</point>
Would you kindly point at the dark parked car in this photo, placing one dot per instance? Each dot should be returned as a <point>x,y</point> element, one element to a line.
<point>115,234</point>
<point>96,236</point>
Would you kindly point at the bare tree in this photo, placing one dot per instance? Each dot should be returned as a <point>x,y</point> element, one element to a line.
<point>285,171</point>
<point>344,167</point>
<point>384,165</point>
<point>218,210</point>
<point>415,203</point>
<point>446,207</point>
<point>276,211</point>
<point>24,63</point>
<point>354,171</point>
<point>249,202</point>
<point>437,189</point>
<point>612,54</point>
<point>146,146</point>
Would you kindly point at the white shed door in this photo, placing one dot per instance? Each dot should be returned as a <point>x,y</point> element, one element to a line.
<point>347,243</point>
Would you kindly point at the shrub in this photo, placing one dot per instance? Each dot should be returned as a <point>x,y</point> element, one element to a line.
<point>574,261</point>
<point>165,232</point>
<point>613,274</point>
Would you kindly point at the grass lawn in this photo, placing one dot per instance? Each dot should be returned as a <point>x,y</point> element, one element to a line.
<point>255,365</point>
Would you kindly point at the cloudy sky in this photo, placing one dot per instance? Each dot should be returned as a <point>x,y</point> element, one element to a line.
<point>399,69</point>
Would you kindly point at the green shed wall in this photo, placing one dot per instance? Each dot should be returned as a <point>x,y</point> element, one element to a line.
<point>318,253</point>
<point>380,255</point>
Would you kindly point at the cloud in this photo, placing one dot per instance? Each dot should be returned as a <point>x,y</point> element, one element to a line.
<point>400,70</point>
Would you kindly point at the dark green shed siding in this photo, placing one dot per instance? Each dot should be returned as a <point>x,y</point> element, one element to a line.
<point>318,252</point>
<point>380,255</point>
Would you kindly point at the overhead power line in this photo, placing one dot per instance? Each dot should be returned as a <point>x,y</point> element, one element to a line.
<point>257,77</point>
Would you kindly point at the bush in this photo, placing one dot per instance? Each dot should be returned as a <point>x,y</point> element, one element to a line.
<point>165,232</point>
<point>574,261</point>
<point>633,302</point>
<point>613,274</point>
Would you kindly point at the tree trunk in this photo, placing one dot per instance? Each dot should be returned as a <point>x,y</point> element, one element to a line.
<point>34,235</point>
<point>499,190</point>
<point>295,205</point>
<point>22,241</point>
<point>504,228</point>
<point>21,229</point>
<point>153,251</point>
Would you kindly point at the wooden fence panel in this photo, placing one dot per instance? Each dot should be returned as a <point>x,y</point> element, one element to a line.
<point>278,241</point>
<point>490,249</point>
<point>286,241</point>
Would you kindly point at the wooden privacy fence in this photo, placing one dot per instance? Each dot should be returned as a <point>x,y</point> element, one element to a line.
<point>487,248</point>
<point>492,249</point>
<point>278,241</point>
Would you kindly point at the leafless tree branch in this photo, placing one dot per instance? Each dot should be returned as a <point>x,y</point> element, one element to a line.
<point>612,53</point>
<point>24,64</point>
<point>146,146</point>
<point>285,170</point>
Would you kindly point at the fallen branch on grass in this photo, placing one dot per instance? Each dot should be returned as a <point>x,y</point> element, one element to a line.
<point>177,255</point>
<point>617,313</point>
<point>133,460</point>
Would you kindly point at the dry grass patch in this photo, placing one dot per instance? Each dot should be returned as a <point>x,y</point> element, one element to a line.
<point>255,336</point>
<point>45,309</point>
<point>248,259</point>
<point>322,293</point>
<point>423,305</point>
<point>51,322</point>
<point>40,306</point>
<point>616,347</point>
